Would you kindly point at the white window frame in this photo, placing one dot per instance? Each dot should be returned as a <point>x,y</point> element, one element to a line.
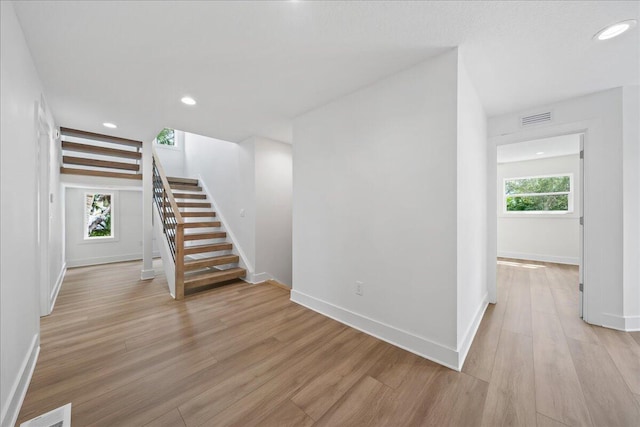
<point>178,141</point>
<point>570,194</point>
<point>87,238</point>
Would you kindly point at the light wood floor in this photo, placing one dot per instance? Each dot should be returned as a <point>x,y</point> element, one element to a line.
<point>125,354</point>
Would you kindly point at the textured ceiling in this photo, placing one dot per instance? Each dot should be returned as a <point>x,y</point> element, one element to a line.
<point>253,66</point>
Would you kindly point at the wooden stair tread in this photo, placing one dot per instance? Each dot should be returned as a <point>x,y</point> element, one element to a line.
<point>202,224</point>
<point>189,196</point>
<point>210,262</point>
<point>214,247</point>
<point>104,151</point>
<point>204,236</point>
<point>204,279</point>
<point>87,172</point>
<point>193,204</point>
<point>205,214</point>
<point>182,181</point>
<point>185,187</point>
<point>99,137</point>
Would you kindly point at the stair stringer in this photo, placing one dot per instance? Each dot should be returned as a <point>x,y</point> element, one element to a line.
<point>237,249</point>
<point>168,263</point>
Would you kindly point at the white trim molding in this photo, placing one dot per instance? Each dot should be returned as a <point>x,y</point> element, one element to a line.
<point>107,259</point>
<point>56,290</point>
<point>621,323</point>
<point>11,408</point>
<point>467,340</point>
<point>423,347</point>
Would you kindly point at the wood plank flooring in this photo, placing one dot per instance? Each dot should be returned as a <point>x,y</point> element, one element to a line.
<point>126,354</point>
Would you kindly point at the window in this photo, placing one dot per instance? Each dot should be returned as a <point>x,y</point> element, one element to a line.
<point>539,194</point>
<point>98,209</point>
<point>166,137</point>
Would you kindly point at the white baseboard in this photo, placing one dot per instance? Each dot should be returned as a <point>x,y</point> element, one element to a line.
<point>106,259</point>
<point>463,348</point>
<point>11,408</point>
<point>541,258</point>
<point>621,323</point>
<point>423,347</point>
<point>148,274</point>
<point>56,290</point>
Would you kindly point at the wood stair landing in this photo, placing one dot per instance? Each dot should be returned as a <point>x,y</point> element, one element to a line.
<point>202,257</point>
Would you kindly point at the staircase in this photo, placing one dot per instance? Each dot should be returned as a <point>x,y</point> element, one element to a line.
<point>201,253</point>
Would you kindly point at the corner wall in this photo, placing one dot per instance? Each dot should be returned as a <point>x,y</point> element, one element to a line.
<point>471,208</point>
<point>374,200</point>
<point>250,183</point>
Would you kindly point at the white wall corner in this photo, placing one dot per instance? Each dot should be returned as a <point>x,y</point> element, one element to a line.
<point>11,408</point>
<point>423,347</point>
<point>465,344</point>
<point>56,290</point>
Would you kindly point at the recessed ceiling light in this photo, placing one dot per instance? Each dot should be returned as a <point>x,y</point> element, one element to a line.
<point>540,152</point>
<point>615,30</point>
<point>188,100</point>
<point>109,125</point>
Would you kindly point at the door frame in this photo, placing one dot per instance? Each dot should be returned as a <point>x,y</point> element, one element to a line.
<point>524,135</point>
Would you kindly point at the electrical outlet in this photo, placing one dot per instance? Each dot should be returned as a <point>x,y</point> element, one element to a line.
<point>359,288</point>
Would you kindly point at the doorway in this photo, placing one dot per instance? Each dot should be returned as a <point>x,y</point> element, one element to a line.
<point>540,225</point>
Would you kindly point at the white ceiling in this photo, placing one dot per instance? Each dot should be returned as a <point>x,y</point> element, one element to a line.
<point>549,147</point>
<point>253,66</point>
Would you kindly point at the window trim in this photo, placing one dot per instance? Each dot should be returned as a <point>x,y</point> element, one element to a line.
<point>177,142</point>
<point>96,239</point>
<point>570,194</point>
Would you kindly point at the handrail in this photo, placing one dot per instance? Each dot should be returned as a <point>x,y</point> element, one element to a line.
<point>167,187</point>
<point>172,221</point>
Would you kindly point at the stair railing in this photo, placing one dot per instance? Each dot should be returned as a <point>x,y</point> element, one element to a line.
<point>172,221</point>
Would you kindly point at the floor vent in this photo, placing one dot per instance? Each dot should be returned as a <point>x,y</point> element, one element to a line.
<point>60,417</point>
<point>535,119</point>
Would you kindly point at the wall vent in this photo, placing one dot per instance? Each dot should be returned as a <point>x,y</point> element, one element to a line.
<point>535,119</point>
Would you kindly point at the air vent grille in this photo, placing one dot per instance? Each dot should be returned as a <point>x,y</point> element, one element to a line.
<point>535,119</point>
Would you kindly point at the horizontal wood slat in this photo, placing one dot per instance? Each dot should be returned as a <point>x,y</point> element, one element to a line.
<point>80,161</point>
<point>202,236</point>
<point>87,172</point>
<point>210,262</point>
<point>204,214</point>
<point>189,196</point>
<point>194,205</point>
<point>183,181</point>
<point>99,137</point>
<point>212,278</point>
<point>103,151</point>
<point>185,187</point>
<point>190,250</point>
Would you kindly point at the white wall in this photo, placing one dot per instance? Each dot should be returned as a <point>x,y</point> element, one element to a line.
<point>631,205</point>
<point>540,237</point>
<point>173,158</point>
<point>20,92</point>
<point>601,116</point>
<point>374,200</point>
<point>127,223</point>
<point>227,170</point>
<point>273,175</point>
<point>472,297</point>
<point>250,184</point>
